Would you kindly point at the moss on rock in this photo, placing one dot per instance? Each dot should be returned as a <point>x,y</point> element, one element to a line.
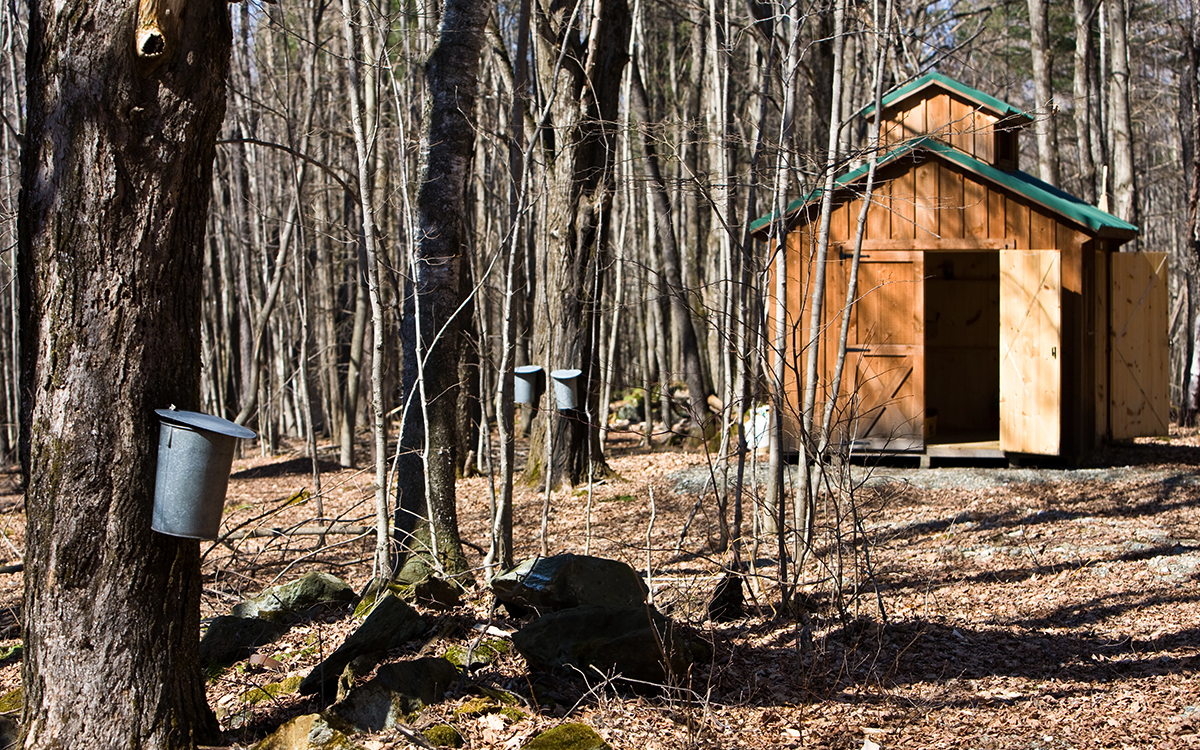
<point>568,737</point>
<point>443,735</point>
<point>272,690</point>
<point>13,700</point>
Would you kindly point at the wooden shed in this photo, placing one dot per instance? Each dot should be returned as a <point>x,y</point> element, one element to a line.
<point>994,314</point>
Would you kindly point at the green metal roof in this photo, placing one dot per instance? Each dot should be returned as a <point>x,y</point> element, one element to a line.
<point>1062,203</point>
<point>1000,108</point>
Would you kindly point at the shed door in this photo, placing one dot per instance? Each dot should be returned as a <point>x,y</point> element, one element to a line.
<point>885,351</point>
<point>1139,401</point>
<point>1030,351</point>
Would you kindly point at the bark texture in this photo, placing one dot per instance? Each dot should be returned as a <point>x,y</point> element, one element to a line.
<point>579,148</point>
<point>1039,47</point>
<point>115,188</point>
<point>428,523</point>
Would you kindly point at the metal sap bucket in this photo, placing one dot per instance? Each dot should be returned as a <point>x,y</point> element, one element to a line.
<point>529,382</point>
<point>566,388</point>
<point>195,454</point>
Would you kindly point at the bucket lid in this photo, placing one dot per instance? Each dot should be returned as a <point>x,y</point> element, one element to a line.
<point>565,374</point>
<point>196,420</point>
<point>528,370</point>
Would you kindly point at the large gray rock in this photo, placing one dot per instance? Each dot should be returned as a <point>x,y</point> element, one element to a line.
<point>565,581</point>
<point>629,641</point>
<point>230,639</point>
<point>391,624</point>
<point>296,598</point>
<point>396,690</point>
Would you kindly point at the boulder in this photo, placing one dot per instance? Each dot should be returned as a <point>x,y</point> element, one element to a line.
<point>615,640</point>
<point>728,599</point>
<point>395,691</point>
<point>443,735</point>
<point>484,653</point>
<point>10,732</point>
<point>309,732</point>
<point>294,599</point>
<point>391,624</point>
<point>565,581</point>
<point>229,639</point>
<point>430,591</point>
<point>568,737</point>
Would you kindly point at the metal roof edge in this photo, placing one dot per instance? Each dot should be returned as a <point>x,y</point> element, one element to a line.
<point>1000,107</point>
<point>1058,201</point>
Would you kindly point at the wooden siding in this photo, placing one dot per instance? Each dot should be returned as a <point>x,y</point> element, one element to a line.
<point>1030,351</point>
<point>946,117</point>
<point>947,255</point>
<point>1140,401</point>
<point>1099,350</point>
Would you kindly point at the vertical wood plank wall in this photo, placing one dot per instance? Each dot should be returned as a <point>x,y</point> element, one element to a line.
<point>1140,403</point>
<point>926,204</point>
<point>949,118</point>
<point>1030,351</point>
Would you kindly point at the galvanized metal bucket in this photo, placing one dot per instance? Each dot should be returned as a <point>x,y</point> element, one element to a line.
<point>529,382</point>
<point>195,454</point>
<point>566,388</point>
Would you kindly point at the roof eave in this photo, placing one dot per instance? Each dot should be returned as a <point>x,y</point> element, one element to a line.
<point>1004,111</point>
<point>1116,229</point>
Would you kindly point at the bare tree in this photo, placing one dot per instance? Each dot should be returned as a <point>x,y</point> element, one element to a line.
<point>426,515</point>
<point>122,125</point>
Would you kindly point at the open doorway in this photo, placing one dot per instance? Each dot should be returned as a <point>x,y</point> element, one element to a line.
<point>962,349</point>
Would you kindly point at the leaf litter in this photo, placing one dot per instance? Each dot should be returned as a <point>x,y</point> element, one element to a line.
<point>1025,608</point>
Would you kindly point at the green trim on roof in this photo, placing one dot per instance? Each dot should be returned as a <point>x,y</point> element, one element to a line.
<point>1039,192</point>
<point>1026,185</point>
<point>1001,108</point>
<point>854,174</point>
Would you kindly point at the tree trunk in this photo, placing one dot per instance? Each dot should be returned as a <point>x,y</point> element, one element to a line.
<point>426,514</point>
<point>115,189</point>
<point>1039,47</point>
<point>681,313</point>
<point>1124,184</point>
<point>1190,86</point>
<point>580,149</point>
<point>1082,109</point>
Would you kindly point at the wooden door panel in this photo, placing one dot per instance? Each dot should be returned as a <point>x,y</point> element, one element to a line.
<point>1030,351</point>
<point>884,380</point>
<point>887,397</point>
<point>1139,398</point>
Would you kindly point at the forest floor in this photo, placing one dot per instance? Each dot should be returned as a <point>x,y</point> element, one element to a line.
<point>999,607</point>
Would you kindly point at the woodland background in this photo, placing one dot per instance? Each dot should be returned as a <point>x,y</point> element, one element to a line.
<point>723,111</point>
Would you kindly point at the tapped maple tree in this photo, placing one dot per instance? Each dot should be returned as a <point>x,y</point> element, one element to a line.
<point>124,103</point>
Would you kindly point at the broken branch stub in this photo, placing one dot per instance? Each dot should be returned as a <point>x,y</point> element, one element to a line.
<point>158,27</point>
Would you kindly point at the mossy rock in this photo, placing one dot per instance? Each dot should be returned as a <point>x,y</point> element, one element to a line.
<point>230,638</point>
<point>503,697</point>
<point>390,625</point>
<point>482,655</point>
<point>620,499</point>
<point>13,700</point>
<point>272,690</point>
<point>628,640</point>
<point>568,580</point>
<point>568,737</point>
<point>396,692</point>
<point>309,732</point>
<point>500,703</point>
<point>291,600</point>
<point>430,591</point>
<point>476,707</point>
<point>443,735</point>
